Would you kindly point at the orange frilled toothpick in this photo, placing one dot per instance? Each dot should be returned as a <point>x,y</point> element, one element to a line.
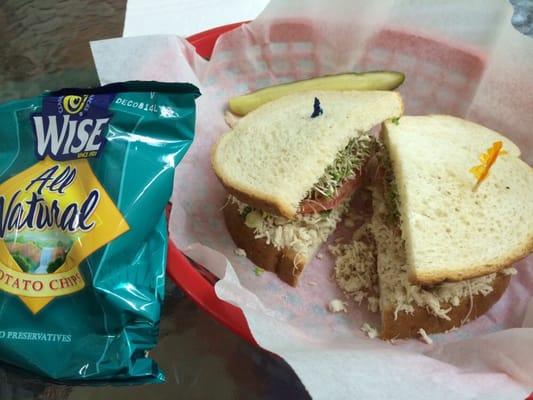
<point>487,159</point>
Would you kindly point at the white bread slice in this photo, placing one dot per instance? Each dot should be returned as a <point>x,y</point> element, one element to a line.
<point>406,308</point>
<point>276,244</point>
<point>452,232</point>
<point>275,154</point>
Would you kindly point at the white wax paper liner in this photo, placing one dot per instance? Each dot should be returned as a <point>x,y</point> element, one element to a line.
<point>461,59</point>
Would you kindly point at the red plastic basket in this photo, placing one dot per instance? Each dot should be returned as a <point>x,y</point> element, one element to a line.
<point>395,45</point>
<point>197,282</point>
<point>190,278</point>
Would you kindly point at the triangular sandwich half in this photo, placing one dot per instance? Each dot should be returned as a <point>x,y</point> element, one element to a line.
<point>455,227</point>
<point>291,167</point>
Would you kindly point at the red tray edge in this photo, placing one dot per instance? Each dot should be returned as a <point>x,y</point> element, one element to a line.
<point>179,268</point>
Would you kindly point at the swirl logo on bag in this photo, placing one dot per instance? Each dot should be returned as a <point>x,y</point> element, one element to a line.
<point>73,104</point>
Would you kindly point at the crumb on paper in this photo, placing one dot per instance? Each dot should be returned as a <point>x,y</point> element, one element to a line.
<point>509,271</point>
<point>231,119</point>
<point>337,305</point>
<point>225,204</point>
<point>258,271</point>
<point>312,283</point>
<point>240,252</point>
<point>424,336</point>
<point>370,331</point>
<point>348,222</point>
<point>319,256</point>
<point>373,304</point>
<point>393,340</point>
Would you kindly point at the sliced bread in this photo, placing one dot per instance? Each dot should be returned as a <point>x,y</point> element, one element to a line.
<point>406,308</point>
<point>452,230</point>
<point>373,268</point>
<point>275,154</point>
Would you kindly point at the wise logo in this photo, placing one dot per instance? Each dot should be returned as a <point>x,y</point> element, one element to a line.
<point>71,127</point>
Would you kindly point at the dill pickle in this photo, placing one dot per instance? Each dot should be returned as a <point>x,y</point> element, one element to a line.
<point>374,80</point>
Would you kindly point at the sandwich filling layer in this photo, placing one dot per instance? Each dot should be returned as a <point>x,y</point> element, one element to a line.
<point>355,267</point>
<point>373,267</point>
<point>301,234</point>
<point>347,165</point>
<point>396,291</point>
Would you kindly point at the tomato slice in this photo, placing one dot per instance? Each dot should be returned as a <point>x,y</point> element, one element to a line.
<point>308,206</point>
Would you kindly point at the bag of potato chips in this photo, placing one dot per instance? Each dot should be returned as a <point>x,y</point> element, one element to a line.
<point>85,176</point>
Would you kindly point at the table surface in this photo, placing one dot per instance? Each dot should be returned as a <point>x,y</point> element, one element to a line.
<point>45,45</point>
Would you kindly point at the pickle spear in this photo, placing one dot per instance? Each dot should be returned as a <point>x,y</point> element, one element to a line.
<point>374,80</point>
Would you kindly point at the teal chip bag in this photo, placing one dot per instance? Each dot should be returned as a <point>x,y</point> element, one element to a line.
<point>85,176</point>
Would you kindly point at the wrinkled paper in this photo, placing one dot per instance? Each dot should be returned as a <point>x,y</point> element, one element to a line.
<point>460,58</point>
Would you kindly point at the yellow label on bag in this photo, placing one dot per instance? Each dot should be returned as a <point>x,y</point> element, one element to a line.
<point>53,215</point>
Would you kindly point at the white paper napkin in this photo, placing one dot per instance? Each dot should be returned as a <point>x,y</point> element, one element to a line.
<point>186,17</point>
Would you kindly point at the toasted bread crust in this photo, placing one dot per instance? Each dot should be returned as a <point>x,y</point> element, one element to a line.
<point>285,263</point>
<point>408,325</point>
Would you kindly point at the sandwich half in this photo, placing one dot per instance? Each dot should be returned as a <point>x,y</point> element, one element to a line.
<point>453,227</point>
<point>373,269</point>
<point>291,168</point>
<point>439,248</point>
